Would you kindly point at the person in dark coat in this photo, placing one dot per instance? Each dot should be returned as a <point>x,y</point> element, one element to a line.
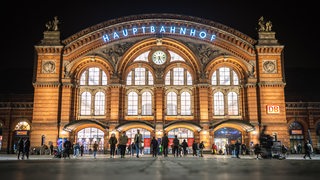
<point>26,148</point>
<point>20,148</point>
<point>67,148</point>
<point>112,141</point>
<point>194,148</point>
<point>237,146</point>
<point>176,146</point>
<point>165,144</point>
<point>154,144</point>
<point>184,145</point>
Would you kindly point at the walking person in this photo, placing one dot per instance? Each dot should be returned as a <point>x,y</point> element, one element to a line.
<point>112,141</point>
<point>184,145</point>
<point>81,150</point>
<point>176,146</point>
<point>67,148</point>
<point>201,147</point>
<point>165,144</point>
<point>76,149</point>
<point>237,148</point>
<point>257,150</point>
<point>51,149</point>
<point>154,144</point>
<point>307,149</point>
<point>138,141</point>
<point>123,140</point>
<point>26,148</point>
<point>194,148</point>
<point>95,149</point>
<point>20,148</point>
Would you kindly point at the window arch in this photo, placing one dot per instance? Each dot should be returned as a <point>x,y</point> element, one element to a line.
<point>139,76</point>
<point>178,76</point>
<point>23,125</point>
<point>224,76</point>
<point>93,76</point>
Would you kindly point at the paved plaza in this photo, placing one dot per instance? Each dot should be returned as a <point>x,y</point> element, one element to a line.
<point>147,167</point>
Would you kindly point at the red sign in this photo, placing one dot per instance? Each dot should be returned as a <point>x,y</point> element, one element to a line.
<point>273,109</point>
<point>146,142</point>
<point>190,142</point>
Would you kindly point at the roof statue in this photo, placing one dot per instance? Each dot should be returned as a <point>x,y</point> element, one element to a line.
<point>263,25</point>
<point>53,25</point>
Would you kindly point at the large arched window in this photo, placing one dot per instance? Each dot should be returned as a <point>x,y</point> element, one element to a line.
<point>132,103</point>
<point>225,82</point>
<point>171,103</point>
<point>146,103</point>
<point>93,80</point>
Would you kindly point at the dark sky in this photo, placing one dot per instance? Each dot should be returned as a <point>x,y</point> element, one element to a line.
<point>294,24</point>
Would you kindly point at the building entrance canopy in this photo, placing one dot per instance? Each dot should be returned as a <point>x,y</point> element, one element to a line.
<point>246,126</point>
<point>74,124</point>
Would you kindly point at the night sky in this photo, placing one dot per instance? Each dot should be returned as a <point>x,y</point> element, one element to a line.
<point>294,24</point>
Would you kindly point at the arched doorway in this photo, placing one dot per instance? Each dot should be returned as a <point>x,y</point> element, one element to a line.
<point>21,130</point>
<point>146,139</point>
<point>296,137</point>
<point>87,137</point>
<point>182,133</point>
<point>224,138</point>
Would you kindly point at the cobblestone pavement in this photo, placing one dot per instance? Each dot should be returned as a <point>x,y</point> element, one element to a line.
<point>147,167</point>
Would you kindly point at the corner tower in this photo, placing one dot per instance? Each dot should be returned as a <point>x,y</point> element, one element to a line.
<point>271,82</point>
<point>46,82</point>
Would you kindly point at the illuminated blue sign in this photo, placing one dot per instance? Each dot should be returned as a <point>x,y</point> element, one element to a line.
<point>173,30</point>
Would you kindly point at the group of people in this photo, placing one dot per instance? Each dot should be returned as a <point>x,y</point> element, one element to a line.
<point>122,144</point>
<point>157,147</point>
<point>23,148</point>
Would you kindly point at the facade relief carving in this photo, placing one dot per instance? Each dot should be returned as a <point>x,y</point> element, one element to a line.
<point>66,69</point>
<point>115,52</point>
<point>204,52</point>
<point>269,66</point>
<point>48,67</point>
<point>252,71</point>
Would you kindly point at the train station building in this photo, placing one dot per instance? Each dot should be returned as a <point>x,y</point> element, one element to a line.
<point>160,73</point>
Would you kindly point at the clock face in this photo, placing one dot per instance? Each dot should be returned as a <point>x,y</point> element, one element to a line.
<point>159,57</point>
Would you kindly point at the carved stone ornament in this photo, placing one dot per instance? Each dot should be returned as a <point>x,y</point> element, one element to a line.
<point>48,67</point>
<point>269,66</point>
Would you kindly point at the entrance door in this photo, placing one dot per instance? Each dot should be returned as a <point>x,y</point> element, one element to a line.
<point>221,144</point>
